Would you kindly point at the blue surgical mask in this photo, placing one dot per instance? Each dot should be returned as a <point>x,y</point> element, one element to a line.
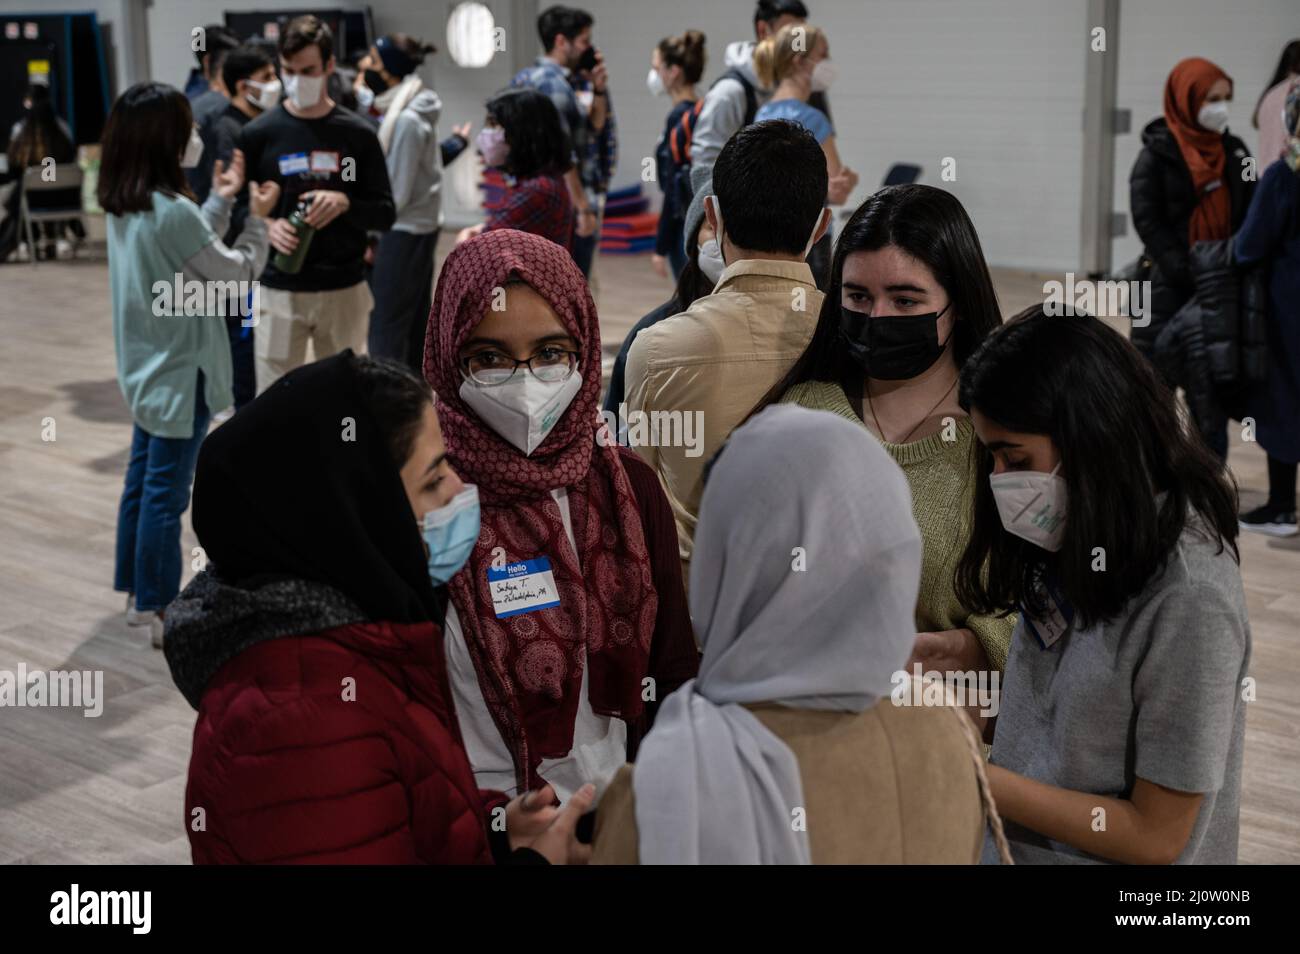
<point>450,533</point>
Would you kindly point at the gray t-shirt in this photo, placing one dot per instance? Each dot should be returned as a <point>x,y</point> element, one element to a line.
<point>1155,694</point>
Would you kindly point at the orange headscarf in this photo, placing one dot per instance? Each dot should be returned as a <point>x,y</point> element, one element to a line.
<point>1202,149</point>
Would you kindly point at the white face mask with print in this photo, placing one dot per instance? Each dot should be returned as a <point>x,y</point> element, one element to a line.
<point>1032,506</point>
<point>524,409</point>
<point>1214,116</point>
<point>193,151</point>
<point>304,91</point>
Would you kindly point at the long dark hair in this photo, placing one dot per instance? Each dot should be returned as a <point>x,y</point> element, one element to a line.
<point>1288,63</point>
<point>40,136</point>
<point>537,140</point>
<point>928,224</point>
<point>145,135</point>
<point>1121,441</point>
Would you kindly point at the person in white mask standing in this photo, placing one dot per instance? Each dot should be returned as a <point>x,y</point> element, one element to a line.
<point>173,360</point>
<point>567,624</point>
<point>1187,186</point>
<point>249,74</point>
<point>402,279</point>
<point>676,64</point>
<point>715,360</point>
<point>795,62</point>
<point>329,159</point>
<point>1105,520</point>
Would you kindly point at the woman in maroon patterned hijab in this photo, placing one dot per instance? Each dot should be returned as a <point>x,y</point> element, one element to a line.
<point>513,355</point>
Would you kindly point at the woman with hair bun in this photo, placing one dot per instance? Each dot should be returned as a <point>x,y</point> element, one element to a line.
<point>676,65</point>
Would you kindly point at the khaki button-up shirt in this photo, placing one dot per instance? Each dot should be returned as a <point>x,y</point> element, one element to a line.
<point>702,372</point>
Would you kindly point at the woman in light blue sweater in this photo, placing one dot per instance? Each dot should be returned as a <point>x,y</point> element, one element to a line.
<point>171,277</point>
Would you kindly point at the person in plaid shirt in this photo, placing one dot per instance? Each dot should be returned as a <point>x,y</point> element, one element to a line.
<point>573,75</point>
<point>522,137</point>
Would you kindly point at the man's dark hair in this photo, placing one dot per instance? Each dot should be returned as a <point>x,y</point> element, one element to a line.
<point>770,183</point>
<point>243,62</point>
<point>768,11</point>
<point>537,140</point>
<point>305,31</point>
<point>217,41</point>
<point>144,137</point>
<point>561,21</point>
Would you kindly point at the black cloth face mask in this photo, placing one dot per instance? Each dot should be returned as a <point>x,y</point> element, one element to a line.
<point>375,80</point>
<point>892,347</point>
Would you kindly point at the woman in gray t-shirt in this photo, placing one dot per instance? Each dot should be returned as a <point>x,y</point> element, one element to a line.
<point>1112,529</point>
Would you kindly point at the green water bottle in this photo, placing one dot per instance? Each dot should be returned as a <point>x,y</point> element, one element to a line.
<point>292,264</point>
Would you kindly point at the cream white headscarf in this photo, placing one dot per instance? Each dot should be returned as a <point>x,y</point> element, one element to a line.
<point>803,589</point>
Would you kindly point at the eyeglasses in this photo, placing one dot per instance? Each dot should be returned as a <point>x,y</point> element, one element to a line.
<point>490,368</point>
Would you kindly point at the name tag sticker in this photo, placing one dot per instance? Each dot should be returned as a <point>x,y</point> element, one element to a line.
<point>322,161</point>
<point>1060,615</point>
<point>523,587</point>
<point>293,164</point>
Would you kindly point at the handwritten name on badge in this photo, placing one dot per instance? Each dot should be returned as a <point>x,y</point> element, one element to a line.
<point>523,587</point>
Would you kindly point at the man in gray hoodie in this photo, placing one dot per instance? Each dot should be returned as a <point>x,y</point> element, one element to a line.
<point>402,278</point>
<point>734,97</point>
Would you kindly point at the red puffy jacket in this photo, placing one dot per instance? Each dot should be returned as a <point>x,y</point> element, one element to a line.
<point>339,747</point>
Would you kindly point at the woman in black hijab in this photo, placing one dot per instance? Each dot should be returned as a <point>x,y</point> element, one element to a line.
<point>311,645</point>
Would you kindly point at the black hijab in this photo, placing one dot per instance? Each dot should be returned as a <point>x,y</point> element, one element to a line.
<point>300,485</point>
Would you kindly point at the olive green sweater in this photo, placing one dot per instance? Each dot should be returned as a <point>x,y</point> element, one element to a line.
<point>941,473</point>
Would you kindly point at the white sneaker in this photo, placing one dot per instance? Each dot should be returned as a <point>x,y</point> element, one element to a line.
<point>135,617</point>
<point>156,631</point>
<point>62,249</point>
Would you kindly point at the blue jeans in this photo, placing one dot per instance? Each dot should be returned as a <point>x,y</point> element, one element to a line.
<point>157,491</point>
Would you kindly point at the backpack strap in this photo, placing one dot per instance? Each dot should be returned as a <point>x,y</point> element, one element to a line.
<point>679,142</point>
<point>751,94</point>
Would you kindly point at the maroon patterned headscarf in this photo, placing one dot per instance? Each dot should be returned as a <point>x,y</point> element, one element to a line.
<point>530,665</point>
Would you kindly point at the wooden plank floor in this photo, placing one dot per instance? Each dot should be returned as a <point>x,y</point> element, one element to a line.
<point>110,789</point>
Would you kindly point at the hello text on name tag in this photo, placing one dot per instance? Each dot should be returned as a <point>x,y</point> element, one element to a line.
<point>523,587</point>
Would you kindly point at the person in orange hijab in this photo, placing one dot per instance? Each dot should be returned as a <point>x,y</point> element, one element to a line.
<point>1189,184</point>
<point>1197,95</point>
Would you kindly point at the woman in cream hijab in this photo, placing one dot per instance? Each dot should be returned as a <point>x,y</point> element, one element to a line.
<point>787,748</point>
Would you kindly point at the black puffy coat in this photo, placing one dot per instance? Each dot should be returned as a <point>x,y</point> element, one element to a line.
<point>1215,346</point>
<point>1161,199</point>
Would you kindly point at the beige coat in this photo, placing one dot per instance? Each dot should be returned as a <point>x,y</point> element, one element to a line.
<point>891,785</point>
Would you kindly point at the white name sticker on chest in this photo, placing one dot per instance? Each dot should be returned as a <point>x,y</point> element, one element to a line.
<point>523,587</point>
<point>324,161</point>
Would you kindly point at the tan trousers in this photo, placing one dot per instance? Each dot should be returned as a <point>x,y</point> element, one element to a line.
<point>287,321</point>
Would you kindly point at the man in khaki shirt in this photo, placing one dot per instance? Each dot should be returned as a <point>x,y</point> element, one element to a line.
<point>714,361</point>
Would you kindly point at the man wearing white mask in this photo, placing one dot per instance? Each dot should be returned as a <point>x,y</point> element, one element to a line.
<point>248,72</point>
<point>724,352</point>
<point>328,160</point>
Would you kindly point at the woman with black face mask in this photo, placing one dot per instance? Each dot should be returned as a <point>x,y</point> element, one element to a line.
<point>909,301</point>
